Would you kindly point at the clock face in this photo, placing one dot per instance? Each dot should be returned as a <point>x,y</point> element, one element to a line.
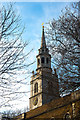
<point>35,101</point>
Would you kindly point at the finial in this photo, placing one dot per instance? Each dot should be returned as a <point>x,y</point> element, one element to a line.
<point>42,25</point>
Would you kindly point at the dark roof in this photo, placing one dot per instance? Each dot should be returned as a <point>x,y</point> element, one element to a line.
<point>54,104</point>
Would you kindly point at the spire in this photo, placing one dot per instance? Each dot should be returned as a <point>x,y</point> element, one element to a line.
<point>43,43</point>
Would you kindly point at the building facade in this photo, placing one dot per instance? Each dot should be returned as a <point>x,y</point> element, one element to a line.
<point>64,108</point>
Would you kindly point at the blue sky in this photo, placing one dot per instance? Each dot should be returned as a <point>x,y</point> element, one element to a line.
<point>33,14</point>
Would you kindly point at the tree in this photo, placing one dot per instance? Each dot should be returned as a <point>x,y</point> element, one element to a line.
<point>12,55</point>
<point>64,43</point>
<point>9,115</point>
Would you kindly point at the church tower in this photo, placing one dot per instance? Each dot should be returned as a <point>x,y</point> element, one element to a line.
<point>44,84</point>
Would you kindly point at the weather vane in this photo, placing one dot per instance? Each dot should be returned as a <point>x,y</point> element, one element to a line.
<point>42,25</point>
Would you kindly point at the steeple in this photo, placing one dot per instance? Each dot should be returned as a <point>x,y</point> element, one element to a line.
<point>43,43</point>
<point>44,85</point>
<point>43,49</point>
<point>43,58</point>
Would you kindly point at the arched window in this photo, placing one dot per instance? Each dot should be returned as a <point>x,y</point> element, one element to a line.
<point>47,60</point>
<point>43,50</point>
<point>38,61</point>
<point>36,87</point>
<point>42,60</point>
